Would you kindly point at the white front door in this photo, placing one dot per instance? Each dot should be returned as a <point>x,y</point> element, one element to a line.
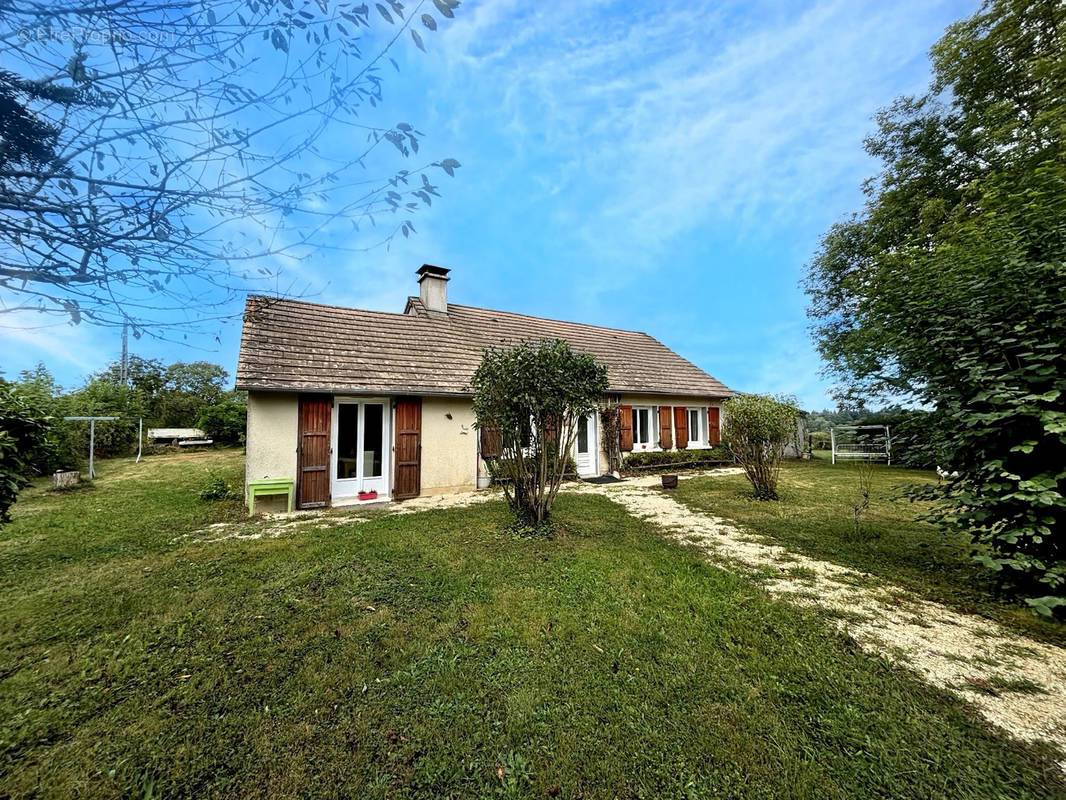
<point>586,451</point>
<point>360,454</point>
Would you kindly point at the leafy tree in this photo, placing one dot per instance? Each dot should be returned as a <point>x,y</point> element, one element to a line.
<point>226,420</point>
<point>23,437</point>
<point>156,157</point>
<point>145,375</point>
<point>533,394</point>
<point>188,389</point>
<point>756,429</point>
<point>949,289</point>
<point>38,389</point>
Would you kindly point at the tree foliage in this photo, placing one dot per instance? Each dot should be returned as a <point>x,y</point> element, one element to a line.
<point>182,394</point>
<point>533,394</point>
<point>23,440</point>
<point>226,420</point>
<point>756,429</point>
<point>949,289</point>
<point>156,157</point>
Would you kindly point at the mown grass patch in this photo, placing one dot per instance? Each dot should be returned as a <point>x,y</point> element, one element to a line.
<point>814,516</point>
<point>431,655</point>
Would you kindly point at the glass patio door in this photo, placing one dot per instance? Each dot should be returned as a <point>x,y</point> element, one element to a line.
<point>360,455</point>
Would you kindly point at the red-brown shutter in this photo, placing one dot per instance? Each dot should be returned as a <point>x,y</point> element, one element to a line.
<point>491,442</point>
<point>665,438</point>
<point>551,430</point>
<point>681,426</point>
<point>713,435</point>
<point>625,428</point>
<point>408,448</point>
<point>313,450</point>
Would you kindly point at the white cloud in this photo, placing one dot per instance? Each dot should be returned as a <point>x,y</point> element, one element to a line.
<point>686,115</point>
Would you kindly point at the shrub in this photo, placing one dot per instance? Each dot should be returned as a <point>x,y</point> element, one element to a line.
<point>533,394</point>
<point>224,421</point>
<point>23,440</point>
<point>680,458</point>
<point>757,429</point>
<point>216,487</point>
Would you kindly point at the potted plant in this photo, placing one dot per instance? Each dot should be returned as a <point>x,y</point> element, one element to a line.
<point>371,495</point>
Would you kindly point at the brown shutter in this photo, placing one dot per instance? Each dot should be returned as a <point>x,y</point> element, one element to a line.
<point>313,450</point>
<point>408,448</point>
<point>713,435</point>
<point>551,430</point>
<point>491,443</point>
<point>681,426</point>
<point>665,439</point>
<point>625,428</point>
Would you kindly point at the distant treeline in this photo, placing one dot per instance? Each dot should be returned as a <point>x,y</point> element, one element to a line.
<point>180,395</point>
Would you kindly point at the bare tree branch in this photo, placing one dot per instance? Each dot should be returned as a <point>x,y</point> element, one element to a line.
<point>156,157</point>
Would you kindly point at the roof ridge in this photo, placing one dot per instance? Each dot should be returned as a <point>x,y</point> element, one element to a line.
<point>552,319</point>
<point>277,300</point>
<point>400,314</point>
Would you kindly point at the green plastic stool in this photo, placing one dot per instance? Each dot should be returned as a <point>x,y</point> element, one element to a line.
<point>270,486</point>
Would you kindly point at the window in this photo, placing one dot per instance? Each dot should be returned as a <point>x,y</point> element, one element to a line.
<point>641,428</point>
<point>583,435</point>
<point>347,440</point>
<point>694,416</point>
<point>373,440</point>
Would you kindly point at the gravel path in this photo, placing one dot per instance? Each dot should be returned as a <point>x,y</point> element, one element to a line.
<point>1016,683</point>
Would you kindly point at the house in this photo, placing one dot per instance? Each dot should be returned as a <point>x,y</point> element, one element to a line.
<point>348,402</point>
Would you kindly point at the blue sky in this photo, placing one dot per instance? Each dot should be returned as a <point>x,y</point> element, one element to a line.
<point>662,167</point>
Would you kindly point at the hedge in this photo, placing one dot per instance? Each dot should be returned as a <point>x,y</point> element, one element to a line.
<point>678,458</point>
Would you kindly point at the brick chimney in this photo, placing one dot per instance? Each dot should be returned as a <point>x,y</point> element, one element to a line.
<point>433,288</point>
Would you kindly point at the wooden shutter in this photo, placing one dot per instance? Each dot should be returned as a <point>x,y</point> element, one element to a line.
<point>625,428</point>
<point>713,435</point>
<point>407,445</point>
<point>313,451</point>
<point>681,426</point>
<point>665,439</point>
<point>551,431</point>
<point>491,443</point>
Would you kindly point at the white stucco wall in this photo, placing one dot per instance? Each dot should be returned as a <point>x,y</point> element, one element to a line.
<point>273,419</point>
<point>270,450</point>
<point>449,445</point>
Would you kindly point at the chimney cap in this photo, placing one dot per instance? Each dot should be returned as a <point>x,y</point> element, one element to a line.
<point>432,271</point>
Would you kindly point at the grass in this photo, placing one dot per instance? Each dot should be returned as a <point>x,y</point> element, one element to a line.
<point>429,655</point>
<point>814,516</point>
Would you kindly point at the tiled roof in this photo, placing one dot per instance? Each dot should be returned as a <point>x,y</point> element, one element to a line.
<point>292,345</point>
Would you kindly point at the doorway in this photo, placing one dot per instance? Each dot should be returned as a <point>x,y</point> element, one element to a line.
<point>360,451</point>
<point>586,451</point>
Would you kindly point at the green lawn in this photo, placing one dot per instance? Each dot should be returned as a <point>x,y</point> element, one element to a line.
<point>814,516</point>
<point>431,655</point>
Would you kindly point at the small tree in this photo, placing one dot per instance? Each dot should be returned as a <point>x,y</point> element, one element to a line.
<point>226,420</point>
<point>756,429</point>
<point>533,394</point>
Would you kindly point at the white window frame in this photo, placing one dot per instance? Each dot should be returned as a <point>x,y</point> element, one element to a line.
<point>697,440</point>
<point>340,487</point>
<point>652,443</point>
